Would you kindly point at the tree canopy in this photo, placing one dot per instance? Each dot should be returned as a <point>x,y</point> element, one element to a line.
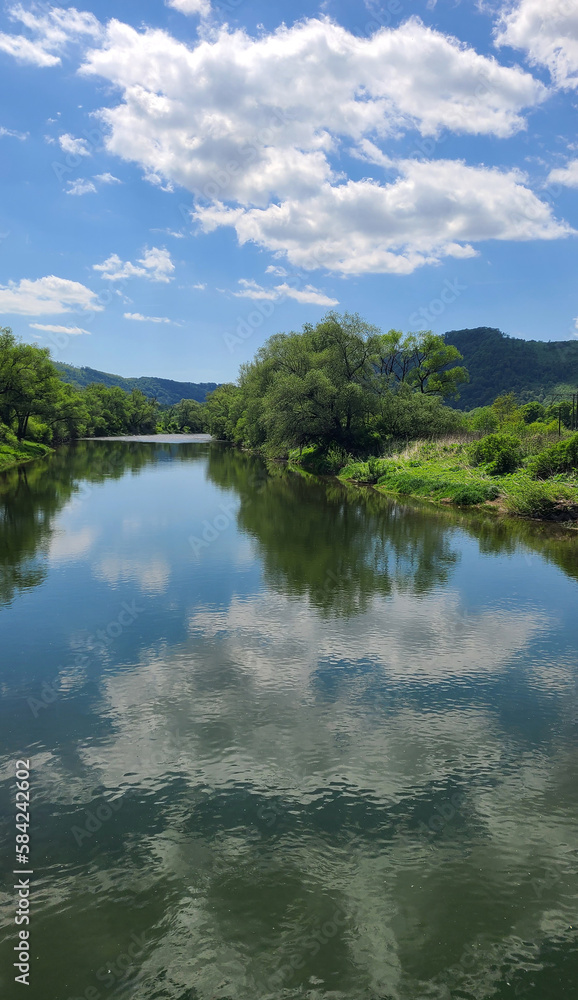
<point>341,383</point>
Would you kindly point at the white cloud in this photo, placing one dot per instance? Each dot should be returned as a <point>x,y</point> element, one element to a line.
<point>107,179</point>
<point>156,265</point>
<point>200,286</point>
<point>50,296</point>
<point>273,136</point>
<point>267,159</point>
<point>147,319</point>
<point>202,7</point>
<point>431,211</point>
<point>251,290</point>
<point>50,33</point>
<point>77,147</point>
<point>308,295</point>
<point>72,331</point>
<point>81,186</point>
<point>568,175</point>
<point>547,32</point>
<point>11,133</point>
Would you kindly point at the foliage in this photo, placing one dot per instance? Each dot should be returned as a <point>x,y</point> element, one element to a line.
<point>560,457</point>
<point>187,417</point>
<point>499,453</point>
<point>483,419</point>
<point>533,412</point>
<point>29,384</point>
<point>498,364</point>
<point>36,405</point>
<point>339,385</point>
<point>163,390</point>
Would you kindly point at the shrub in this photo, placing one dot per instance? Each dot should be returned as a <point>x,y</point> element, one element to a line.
<point>38,431</point>
<point>500,453</point>
<point>560,457</point>
<point>322,462</point>
<point>533,412</point>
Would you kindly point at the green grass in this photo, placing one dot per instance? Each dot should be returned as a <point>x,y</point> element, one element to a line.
<point>22,451</point>
<point>442,471</point>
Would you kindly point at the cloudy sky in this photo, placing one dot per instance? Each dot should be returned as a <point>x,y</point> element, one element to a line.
<point>182,179</point>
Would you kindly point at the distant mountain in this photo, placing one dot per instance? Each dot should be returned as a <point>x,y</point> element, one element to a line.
<point>164,390</point>
<point>533,369</point>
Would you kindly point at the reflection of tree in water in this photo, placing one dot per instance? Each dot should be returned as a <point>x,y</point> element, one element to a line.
<point>29,499</point>
<point>495,535</point>
<point>340,545</point>
<point>32,495</point>
<point>316,539</point>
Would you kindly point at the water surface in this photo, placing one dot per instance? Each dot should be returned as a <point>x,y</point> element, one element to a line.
<point>331,739</point>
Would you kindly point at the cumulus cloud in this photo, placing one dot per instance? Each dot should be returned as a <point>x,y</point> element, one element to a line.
<point>80,187</point>
<point>72,331</point>
<point>568,175</point>
<point>50,296</point>
<point>432,210</point>
<point>49,34</point>
<point>155,265</point>
<point>147,319</point>
<point>77,147</point>
<point>107,178</point>
<point>274,134</point>
<point>267,160</point>
<point>202,7</point>
<point>547,32</point>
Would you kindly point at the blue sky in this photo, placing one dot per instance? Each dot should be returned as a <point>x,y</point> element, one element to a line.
<point>182,182</point>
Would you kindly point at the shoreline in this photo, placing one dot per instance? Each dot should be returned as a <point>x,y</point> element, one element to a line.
<point>26,452</point>
<point>562,512</point>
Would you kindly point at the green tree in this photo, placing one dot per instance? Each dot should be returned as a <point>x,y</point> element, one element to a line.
<point>29,383</point>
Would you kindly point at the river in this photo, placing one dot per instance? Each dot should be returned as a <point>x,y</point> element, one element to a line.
<point>286,739</point>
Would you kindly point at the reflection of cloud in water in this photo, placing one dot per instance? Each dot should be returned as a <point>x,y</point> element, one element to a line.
<point>70,545</point>
<point>282,807</point>
<point>430,639</point>
<point>151,575</point>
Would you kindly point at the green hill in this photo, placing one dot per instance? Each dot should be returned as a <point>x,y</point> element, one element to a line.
<point>164,390</point>
<point>497,363</point>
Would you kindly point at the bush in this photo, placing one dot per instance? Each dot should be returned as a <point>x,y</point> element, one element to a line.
<point>38,431</point>
<point>323,463</point>
<point>560,457</point>
<point>500,453</point>
<point>532,412</point>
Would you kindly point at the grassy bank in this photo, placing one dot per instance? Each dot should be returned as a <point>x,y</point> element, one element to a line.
<point>22,451</point>
<point>449,471</point>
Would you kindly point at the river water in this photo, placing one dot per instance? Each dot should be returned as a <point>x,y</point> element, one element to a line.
<point>285,739</point>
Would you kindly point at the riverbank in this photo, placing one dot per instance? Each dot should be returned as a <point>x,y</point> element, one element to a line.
<point>17,454</point>
<point>443,472</point>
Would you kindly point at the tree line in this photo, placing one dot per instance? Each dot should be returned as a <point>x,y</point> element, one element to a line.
<point>341,387</point>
